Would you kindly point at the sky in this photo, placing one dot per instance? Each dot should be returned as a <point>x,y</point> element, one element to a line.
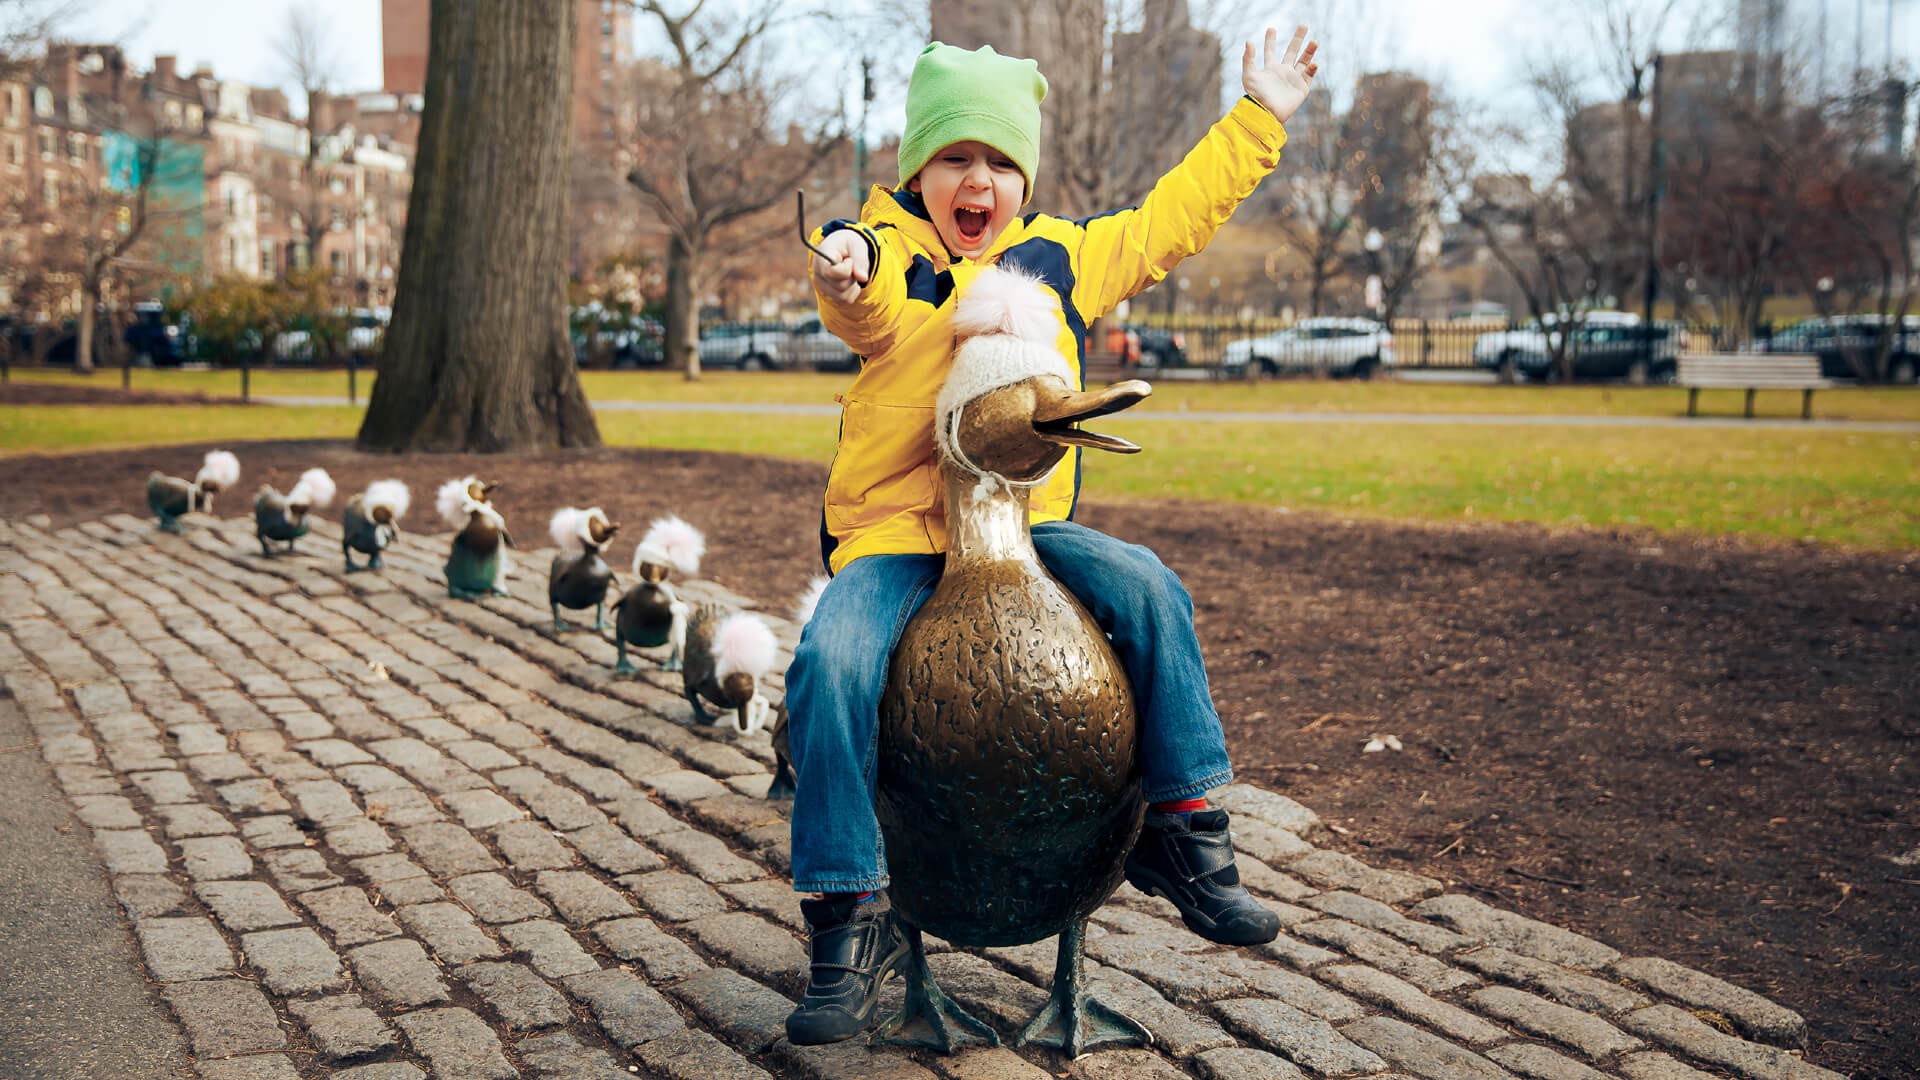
<point>1477,47</point>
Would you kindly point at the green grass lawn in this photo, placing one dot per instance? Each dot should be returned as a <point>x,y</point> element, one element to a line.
<point>1841,487</point>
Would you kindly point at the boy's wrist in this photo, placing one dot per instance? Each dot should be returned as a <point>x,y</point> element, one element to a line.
<point>866,236</point>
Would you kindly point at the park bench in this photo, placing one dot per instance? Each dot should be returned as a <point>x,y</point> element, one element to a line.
<point>1751,372</point>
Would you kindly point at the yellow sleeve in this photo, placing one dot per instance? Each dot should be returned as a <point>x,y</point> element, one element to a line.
<point>1126,251</point>
<point>870,320</point>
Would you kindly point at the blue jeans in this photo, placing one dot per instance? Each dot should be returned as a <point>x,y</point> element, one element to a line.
<point>840,670</point>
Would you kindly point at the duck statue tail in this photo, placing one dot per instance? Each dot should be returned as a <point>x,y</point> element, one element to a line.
<point>673,543</point>
<point>391,494</point>
<point>314,489</point>
<point>804,607</point>
<point>219,471</point>
<point>569,529</point>
<point>453,503</point>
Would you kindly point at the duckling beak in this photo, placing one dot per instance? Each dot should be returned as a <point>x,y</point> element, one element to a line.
<point>1057,409</point>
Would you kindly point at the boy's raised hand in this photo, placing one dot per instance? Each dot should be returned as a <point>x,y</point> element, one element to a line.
<point>840,280</point>
<point>1281,80</point>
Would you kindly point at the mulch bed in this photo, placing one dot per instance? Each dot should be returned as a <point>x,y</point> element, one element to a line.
<point>25,393</point>
<point>1700,749</point>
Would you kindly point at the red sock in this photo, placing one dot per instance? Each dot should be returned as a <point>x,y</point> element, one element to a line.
<point>1180,806</point>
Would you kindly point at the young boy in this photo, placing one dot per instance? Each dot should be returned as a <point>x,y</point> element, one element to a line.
<point>887,288</point>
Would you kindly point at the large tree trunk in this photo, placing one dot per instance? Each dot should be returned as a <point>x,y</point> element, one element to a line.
<point>683,308</point>
<point>83,348</point>
<point>477,358</point>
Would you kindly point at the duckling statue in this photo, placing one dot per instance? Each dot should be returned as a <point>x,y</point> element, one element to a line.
<point>783,785</point>
<point>370,522</point>
<point>477,564</point>
<point>284,517</point>
<point>650,613</point>
<point>171,498</point>
<point>728,655</point>
<point>579,577</point>
<point>1008,789</point>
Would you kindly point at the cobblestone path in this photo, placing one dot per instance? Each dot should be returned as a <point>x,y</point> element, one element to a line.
<point>362,830</point>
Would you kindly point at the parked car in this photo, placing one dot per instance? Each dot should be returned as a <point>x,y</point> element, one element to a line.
<point>367,333</point>
<point>812,345</point>
<point>1847,345</point>
<point>1330,344</point>
<point>747,346</point>
<point>642,343</point>
<point>1605,345</point>
<point>154,339</point>
<point>1159,347</point>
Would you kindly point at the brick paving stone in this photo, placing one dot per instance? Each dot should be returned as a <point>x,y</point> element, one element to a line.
<point>272,831</point>
<point>1175,1030</point>
<point>90,780</point>
<point>774,899</point>
<point>402,807</point>
<point>1388,955</point>
<point>306,725</point>
<point>1181,978</point>
<point>369,779</point>
<point>986,1063</point>
<point>563,809</point>
<point>494,899</point>
<point>850,1060</point>
<point>611,849</point>
<point>323,802</point>
<point>481,809</point>
<point>1378,916</point>
<point>256,796</point>
<point>1301,992</point>
<point>348,915</point>
<point>1242,1063</point>
<point>129,851</point>
<point>745,1013</point>
<point>1123,1065</point>
<point>1529,937</point>
<point>357,839</point>
<point>1567,987</point>
<point>479,755</point>
<point>214,768</point>
<point>1680,1030</point>
<point>215,858</point>
<point>980,988</point>
<point>706,857</point>
<point>1267,843</point>
<point>293,961</point>
<point>673,896</point>
<point>1334,870</point>
<point>560,1055</point>
<point>1752,1014</point>
<point>1419,1051</point>
<point>225,1016</point>
<point>1582,1031</point>
<point>643,817</point>
<point>750,944</point>
<point>696,1055</point>
<point>449,931</point>
<point>393,1070</point>
<point>342,1027</point>
<point>68,749</point>
<point>183,949</point>
<point>136,755</point>
<point>1657,1066</point>
<point>1247,801</point>
<point>629,1011</point>
<point>1160,931</point>
<point>458,1044</point>
<point>251,1067</point>
<point>446,849</point>
<point>298,869</point>
<point>682,786</point>
<point>435,730</point>
<point>1410,1002</point>
<point>197,739</point>
<point>599,782</point>
<point>733,814</point>
<point>1534,1062</point>
<point>639,941</point>
<point>1034,961</point>
<point>165,786</point>
<point>244,906</point>
<point>638,761</point>
<point>549,948</point>
<point>529,845</point>
<point>524,1000</point>
<point>147,896</point>
<point>580,898</point>
<point>1296,1036</point>
<point>397,972</point>
<point>286,766</point>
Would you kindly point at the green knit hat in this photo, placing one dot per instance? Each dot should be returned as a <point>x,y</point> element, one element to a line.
<point>955,95</point>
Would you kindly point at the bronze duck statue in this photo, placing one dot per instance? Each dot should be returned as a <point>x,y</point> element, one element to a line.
<point>171,498</point>
<point>284,517</point>
<point>579,577</point>
<point>783,785</point>
<point>1008,787</point>
<point>651,613</point>
<point>729,655</point>
<point>370,522</point>
<point>477,564</point>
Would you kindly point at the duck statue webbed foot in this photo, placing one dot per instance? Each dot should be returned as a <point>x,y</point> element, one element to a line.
<point>947,1027</point>
<point>1073,1020</point>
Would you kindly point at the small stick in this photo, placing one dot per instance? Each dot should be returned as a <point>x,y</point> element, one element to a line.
<point>800,200</point>
<point>1545,878</point>
<point>1450,847</point>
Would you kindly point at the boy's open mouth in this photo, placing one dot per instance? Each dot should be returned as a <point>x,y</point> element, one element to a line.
<point>972,223</point>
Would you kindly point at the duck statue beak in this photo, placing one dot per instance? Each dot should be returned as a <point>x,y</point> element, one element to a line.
<point>1058,410</point>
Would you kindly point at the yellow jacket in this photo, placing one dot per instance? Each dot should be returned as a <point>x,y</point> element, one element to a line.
<point>883,494</point>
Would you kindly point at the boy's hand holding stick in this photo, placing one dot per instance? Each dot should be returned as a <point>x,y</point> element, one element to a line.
<point>839,263</point>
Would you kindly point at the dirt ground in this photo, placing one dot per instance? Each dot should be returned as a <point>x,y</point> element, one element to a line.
<point>1699,749</point>
<point>16,393</point>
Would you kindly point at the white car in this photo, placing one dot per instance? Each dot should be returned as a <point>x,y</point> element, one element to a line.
<point>1339,346</point>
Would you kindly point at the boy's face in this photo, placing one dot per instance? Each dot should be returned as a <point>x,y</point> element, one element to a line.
<point>972,192</point>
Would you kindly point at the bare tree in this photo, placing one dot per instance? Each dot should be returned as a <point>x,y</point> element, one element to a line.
<point>709,162</point>
<point>25,26</point>
<point>307,47</point>
<point>478,358</point>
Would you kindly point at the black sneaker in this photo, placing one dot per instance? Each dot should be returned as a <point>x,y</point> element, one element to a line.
<point>855,945</point>
<point>1188,858</point>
